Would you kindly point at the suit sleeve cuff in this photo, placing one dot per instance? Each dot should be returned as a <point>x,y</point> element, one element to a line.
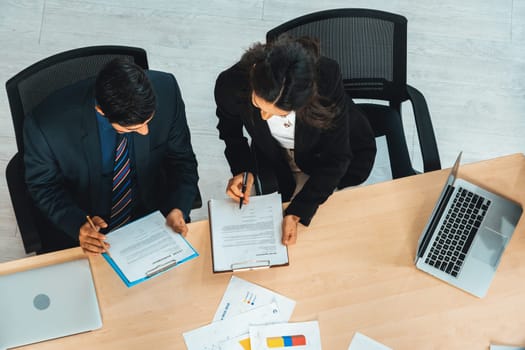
<point>303,210</point>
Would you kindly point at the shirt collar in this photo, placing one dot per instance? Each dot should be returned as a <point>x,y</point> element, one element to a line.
<point>103,122</point>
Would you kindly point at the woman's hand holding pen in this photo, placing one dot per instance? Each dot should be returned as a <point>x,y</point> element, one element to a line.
<point>234,188</point>
<point>92,241</point>
<point>290,229</point>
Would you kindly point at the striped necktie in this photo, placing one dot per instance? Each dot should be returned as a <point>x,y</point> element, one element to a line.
<point>122,194</point>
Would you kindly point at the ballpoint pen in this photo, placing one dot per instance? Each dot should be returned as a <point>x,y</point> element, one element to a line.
<point>94,228</point>
<point>243,188</point>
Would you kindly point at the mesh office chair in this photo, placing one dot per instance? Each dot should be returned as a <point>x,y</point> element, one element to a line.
<point>370,47</point>
<point>28,89</point>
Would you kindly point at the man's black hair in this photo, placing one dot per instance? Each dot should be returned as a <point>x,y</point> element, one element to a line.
<point>124,93</point>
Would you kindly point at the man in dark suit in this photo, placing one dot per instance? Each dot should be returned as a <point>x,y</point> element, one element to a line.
<point>73,145</point>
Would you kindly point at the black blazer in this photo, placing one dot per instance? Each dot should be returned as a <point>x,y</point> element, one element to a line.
<point>63,156</point>
<point>340,156</point>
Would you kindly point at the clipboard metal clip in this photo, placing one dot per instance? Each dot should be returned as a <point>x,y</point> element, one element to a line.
<point>250,265</point>
<point>161,268</point>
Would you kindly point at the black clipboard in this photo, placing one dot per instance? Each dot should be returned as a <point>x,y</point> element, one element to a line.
<point>223,211</point>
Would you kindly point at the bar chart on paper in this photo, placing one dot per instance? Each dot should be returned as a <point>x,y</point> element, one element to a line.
<point>285,341</point>
<point>292,336</point>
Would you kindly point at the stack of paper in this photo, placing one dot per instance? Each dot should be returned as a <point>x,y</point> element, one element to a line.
<point>244,304</point>
<point>146,248</point>
<point>247,238</point>
<point>214,335</point>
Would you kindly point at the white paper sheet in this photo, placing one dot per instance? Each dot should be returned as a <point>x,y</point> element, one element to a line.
<point>505,347</point>
<point>362,342</point>
<point>146,247</point>
<point>303,335</point>
<point>241,296</point>
<point>238,343</point>
<point>212,335</point>
<point>249,237</point>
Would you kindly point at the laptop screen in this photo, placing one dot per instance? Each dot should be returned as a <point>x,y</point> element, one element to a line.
<point>438,208</point>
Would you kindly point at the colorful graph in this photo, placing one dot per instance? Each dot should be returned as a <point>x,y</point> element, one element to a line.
<point>249,298</point>
<point>286,341</point>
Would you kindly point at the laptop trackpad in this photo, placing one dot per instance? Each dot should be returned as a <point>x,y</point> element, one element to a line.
<point>488,246</point>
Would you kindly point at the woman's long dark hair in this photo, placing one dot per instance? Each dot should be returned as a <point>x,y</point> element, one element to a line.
<point>285,72</point>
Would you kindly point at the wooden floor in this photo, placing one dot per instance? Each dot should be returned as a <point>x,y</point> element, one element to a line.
<point>467,58</point>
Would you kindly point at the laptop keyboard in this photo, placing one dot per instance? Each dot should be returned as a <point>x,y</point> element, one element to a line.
<point>457,232</point>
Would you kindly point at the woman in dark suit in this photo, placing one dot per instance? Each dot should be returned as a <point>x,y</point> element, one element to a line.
<point>308,138</point>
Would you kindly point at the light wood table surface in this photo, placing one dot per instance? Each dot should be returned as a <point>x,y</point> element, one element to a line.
<point>352,270</point>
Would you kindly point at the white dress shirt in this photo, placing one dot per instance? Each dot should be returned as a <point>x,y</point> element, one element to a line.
<point>283,129</point>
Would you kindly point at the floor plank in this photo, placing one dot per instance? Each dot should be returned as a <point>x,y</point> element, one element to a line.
<point>467,58</point>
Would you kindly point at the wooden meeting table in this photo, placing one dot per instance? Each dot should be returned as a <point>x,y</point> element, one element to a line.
<point>352,270</point>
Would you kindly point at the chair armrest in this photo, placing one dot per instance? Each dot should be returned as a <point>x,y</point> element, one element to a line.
<point>425,131</point>
<point>22,204</point>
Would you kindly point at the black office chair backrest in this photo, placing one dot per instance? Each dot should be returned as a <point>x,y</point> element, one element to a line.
<point>30,87</point>
<point>369,45</point>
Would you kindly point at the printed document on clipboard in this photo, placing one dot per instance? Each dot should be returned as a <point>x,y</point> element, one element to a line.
<point>146,248</point>
<point>247,238</point>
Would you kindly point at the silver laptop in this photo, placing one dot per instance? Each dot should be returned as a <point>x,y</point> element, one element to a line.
<point>466,235</point>
<point>46,303</point>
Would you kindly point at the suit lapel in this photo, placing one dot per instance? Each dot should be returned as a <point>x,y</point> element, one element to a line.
<point>91,145</point>
<point>305,137</point>
<point>264,137</point>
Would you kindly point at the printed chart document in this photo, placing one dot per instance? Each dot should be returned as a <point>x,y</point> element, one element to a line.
<point>238,343</point>
<point>249,237</point>
<point>241,296</point>
<point>362,342</point>
<point>302,335</point>
<point>146,248</point>
<point>210,337</point>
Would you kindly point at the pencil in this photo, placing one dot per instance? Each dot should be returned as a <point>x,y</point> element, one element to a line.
<point>91,223</point>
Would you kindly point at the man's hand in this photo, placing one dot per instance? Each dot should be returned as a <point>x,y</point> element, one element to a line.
<point>175,220</point>
<point>290,229</point>
<point>92,241</point>
<point>234,188</point>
